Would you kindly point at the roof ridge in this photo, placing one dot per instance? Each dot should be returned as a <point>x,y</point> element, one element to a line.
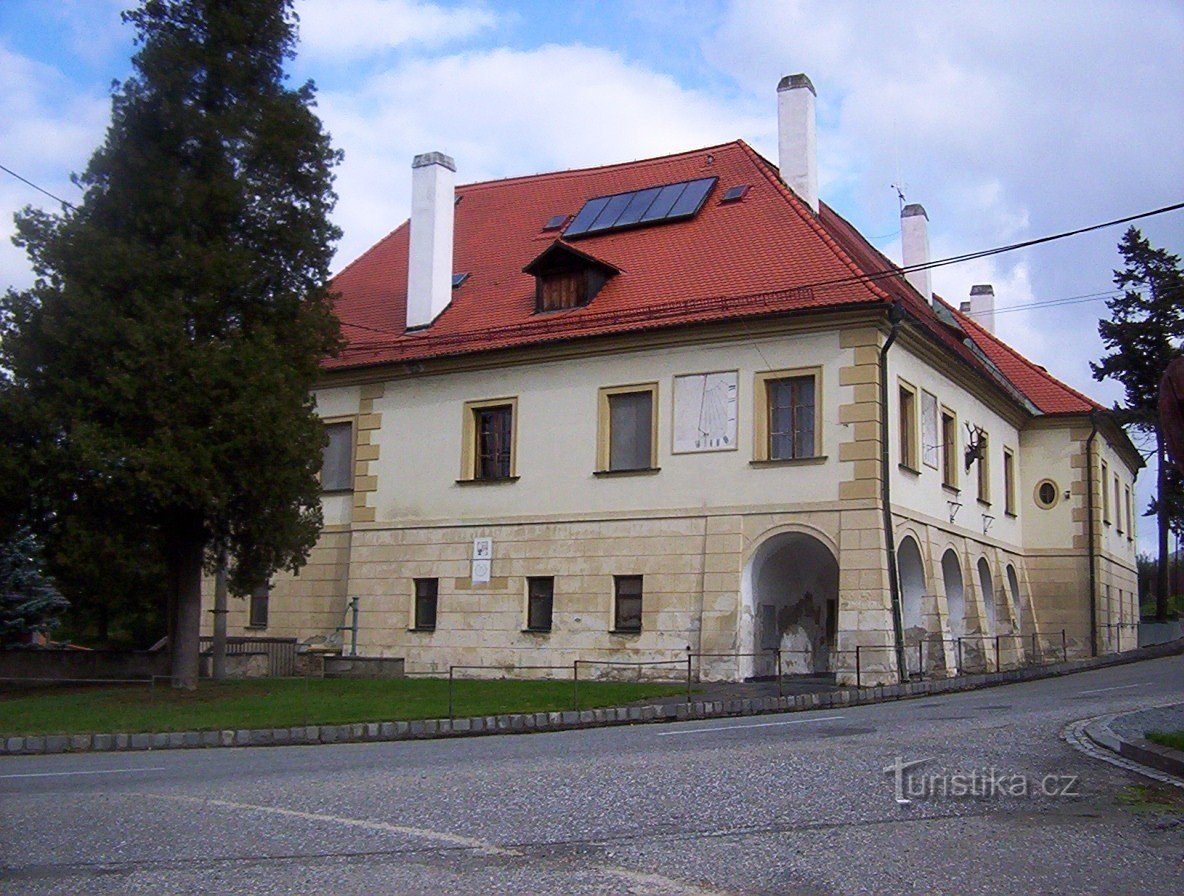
<point>978,330</point>
<point>795,202</point>
<point>578,172</point>
<point>381,240</point>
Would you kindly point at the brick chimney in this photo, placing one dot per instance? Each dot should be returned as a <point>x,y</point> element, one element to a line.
<point>429,261</point>
<point>797,137</point>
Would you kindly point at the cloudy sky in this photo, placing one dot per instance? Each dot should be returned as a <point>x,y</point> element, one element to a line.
<point>1007,121</point>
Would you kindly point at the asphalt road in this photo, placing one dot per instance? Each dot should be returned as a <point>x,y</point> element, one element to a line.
<point>793,804</point>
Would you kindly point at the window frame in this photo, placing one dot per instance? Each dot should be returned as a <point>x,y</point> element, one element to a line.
<point>1117,504</point>
<point>983,472</point>
<point>762,410</point>
<point>259,596</point>
<point>1130,514</point>
<point>1009,482</point>
<point>417,597</point>
<point>604,444</point>
<point>531,581</point>
<point>1105,486</point>
<point>352,422</point>
<point>470,433</point>
<point>950,467</point>
<point>907,422</point>
<point>618,581</point>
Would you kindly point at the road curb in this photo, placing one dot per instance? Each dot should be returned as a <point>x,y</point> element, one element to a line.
<point>1144,752</point>
<point>522,723</point>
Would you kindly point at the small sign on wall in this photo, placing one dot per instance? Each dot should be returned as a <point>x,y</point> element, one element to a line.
<point>482,560</point>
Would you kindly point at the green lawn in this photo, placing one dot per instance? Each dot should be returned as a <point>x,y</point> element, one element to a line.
<point>1173,739</point>
<point>283,703</point>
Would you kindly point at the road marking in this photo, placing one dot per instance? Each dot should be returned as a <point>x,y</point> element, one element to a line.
<point>105,771</point>
<point>1121,687</point>
<point>637,878</point>
<point>755,725</point>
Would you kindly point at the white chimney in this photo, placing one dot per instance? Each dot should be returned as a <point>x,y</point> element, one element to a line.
<point>797,142</point>
<point>982,306</point>
<point>429,260</point>
<point>914,247</point>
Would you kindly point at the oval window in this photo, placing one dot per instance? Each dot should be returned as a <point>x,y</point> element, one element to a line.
<point>1047,493</point>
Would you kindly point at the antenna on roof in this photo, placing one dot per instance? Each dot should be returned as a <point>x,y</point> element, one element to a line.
<point>900,194</point>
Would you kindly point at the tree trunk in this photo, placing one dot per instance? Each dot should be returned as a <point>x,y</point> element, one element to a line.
<point>218,649</point>
<point>1162,577</point>
<point>186,546</point>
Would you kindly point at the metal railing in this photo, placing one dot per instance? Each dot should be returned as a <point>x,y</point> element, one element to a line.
<point>281,652</point>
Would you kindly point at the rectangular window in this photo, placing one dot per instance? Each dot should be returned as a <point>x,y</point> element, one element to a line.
<point>1105,493</point>
<point>984,470</point>
<point>1117,504</point>
<point>540,600</point>
<point>490,431</point>
<point>426,591</point>
<point>949,448</point>
<point>628,428</point>
<point>337,458</point>
<point>257,609</point>
<point>908,426</point>
<point>791,418</point>
<point>627,612</point>
<point>1008,482</point>
<point>930,436</point>
<point>1130,515</point>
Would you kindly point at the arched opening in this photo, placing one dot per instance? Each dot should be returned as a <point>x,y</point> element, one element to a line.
<point>791,588</point>
<point>951,573</point>
<point>1013,587</point>
<point>912,593</point>
<point>987,588</point>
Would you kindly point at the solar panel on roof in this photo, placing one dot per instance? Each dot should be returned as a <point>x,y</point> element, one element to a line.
<point>555,222</point>
<point>653,204</point>
<point>734,193</point>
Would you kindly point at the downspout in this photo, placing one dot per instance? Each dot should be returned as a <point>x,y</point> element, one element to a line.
<point>895,315</point>
<point>1089,532</point>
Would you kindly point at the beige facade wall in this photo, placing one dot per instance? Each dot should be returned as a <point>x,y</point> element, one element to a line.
<point>692,528</point>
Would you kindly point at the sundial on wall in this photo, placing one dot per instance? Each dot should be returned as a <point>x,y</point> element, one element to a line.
<point>705,412</point>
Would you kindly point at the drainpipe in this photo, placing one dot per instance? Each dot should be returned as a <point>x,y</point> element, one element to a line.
<point>1089,532</point>
<point>895,315</point>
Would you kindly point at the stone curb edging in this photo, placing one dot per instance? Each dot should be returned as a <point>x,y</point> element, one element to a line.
<point>521,723</point>
<point>1161,758</point>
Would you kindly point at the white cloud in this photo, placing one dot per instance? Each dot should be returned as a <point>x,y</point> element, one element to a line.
<point>345,29</point>
<point>47,130</point>
<point>504,112</point>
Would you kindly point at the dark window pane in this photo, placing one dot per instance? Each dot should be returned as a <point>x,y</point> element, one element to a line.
<point>628,603</point>
<point>611,211</point>
<point>586,216</point>
<point>425,603</point>
<point>630,431</point>
<point>664,201</point>
<point>494,434</point>
<point>336,457</point>
<point>791,418</point>
<point>257,614</point>
<point>637,206</point>
<point>540,599</point>
<point>692,197</point>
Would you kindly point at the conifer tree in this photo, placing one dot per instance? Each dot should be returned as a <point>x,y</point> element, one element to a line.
<point>158,371</point>
<point>1144,333</point>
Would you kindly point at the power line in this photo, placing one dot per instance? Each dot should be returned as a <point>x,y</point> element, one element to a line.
<point>35,187</point>
<point>942,262</point>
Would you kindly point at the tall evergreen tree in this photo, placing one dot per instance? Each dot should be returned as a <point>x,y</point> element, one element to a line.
<point>1144,333</point>
<point>159,368</point>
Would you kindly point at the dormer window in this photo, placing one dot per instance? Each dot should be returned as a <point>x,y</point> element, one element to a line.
<point>566,278</point>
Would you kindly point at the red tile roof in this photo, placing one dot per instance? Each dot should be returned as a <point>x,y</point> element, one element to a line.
<point>764,254</point>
